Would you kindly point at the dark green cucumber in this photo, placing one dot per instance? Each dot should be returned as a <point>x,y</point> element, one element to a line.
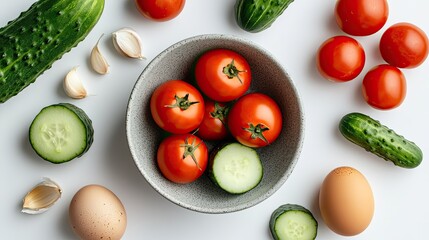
<point>380,140</point>
<point>293,222</point>
<point>31,43</point>
<point>258,15</point>
<point>61,132</point>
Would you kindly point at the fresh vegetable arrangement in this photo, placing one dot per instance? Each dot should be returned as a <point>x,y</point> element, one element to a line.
<point>216,107</point>
<point>228,116</point>
<point>340,59</point>
<point>402,45</point>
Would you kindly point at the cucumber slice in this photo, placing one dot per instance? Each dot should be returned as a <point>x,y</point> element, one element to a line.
<point>235,168</point>
<point>293,222</point>
<point>61,132</point>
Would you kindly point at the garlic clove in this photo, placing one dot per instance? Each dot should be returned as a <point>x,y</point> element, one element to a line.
<point>41,197</point>
<point>128,43</point>
<point>98,62</point>
<point>73,85</point>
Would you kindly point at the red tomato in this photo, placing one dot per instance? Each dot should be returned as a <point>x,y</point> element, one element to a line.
<point>182,158</point>
<point>223,75</point>
<point>340,59</point>
<point>160,10</point>
<point>361,17</point>
<point>384,87</point>
<point>404,45</point>
<point>177,107</point>
<point>255,120</point>
<point>213,126</point>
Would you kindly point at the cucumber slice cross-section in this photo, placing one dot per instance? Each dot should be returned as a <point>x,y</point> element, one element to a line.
<point>236,168</point>
<point>293,222</point>
<point>61,132</point>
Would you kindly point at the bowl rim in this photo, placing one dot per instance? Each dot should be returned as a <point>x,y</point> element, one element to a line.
<point>296,154</point>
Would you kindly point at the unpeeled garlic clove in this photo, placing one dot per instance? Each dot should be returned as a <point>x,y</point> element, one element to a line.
<point>98,62</point>
<point>128,43</point>
<point>41,197</point>
<point>73,85</point>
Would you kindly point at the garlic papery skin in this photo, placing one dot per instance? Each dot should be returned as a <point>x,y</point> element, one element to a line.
<point>41,197</point>
<point>128,43</point>
<point>98,61</point>
<point>73,85</point>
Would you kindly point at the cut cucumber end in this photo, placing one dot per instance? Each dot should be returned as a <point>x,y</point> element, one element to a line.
<point>61,132</point>
<point>236,168</point>
<point>293,222</point>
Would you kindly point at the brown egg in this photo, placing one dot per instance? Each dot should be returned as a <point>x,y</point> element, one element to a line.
<point>97,213</point>
<point>346,201</point>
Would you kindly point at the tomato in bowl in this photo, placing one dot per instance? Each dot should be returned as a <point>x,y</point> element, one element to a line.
<point>268,77</point>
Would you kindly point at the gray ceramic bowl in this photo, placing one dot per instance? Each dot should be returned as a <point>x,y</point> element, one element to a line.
<point>144,135</point>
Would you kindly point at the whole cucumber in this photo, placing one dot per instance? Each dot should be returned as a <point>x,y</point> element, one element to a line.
<point>31,43</point>
<point>380,140</point>
<point>258,15</point>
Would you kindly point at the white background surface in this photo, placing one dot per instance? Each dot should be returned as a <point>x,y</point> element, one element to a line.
<point>401,195</point>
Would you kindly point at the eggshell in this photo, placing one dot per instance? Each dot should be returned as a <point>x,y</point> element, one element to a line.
<point>97,213</point>
<point>346,201</point>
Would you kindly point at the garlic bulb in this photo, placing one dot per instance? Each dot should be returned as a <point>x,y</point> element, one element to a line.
<point>41,197</point>
<point>98,62</point>
<point>73,85</point>
<point>127,42</point>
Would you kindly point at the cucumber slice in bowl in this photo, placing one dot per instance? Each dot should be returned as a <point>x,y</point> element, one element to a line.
<point>293,222</point>
<point>61,132</point>
<point>235,168</point>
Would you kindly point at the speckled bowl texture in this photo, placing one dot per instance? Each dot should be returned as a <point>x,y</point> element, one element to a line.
<point>268,77</point>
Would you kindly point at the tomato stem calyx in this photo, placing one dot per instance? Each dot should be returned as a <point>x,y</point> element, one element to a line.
<point>220,112</point>
<point>231,71</point>
<point>182,102</point>
<point>189,150</point>
<point>257,131</point>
